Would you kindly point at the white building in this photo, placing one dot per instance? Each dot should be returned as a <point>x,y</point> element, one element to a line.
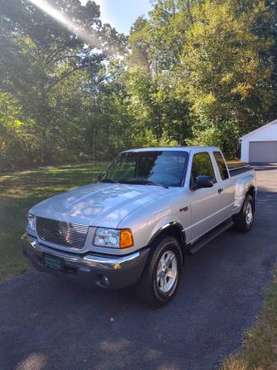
<point>260,145</point>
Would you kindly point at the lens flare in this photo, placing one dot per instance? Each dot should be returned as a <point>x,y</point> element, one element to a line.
<point>89,37</point>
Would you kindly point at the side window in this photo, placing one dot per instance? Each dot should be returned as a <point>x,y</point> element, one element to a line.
<point>201,166</point>
<point>221,165</point>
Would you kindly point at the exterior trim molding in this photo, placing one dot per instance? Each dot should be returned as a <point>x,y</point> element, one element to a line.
<point>259,129</point>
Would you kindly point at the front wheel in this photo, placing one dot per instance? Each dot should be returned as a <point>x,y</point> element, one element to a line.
<point>244,220</point>
<point>161,277</point>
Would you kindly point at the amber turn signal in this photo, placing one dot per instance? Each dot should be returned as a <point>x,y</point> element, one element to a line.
<point>126,238</point>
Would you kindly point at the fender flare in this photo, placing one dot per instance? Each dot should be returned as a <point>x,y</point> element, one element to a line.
<point>173,228</point>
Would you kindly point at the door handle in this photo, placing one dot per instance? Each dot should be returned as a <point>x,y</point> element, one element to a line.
<point>220,190</point>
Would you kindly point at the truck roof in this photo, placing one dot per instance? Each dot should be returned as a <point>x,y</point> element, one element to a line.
<point>174,148</point>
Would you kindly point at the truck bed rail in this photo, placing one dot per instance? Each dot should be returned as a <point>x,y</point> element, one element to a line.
<point>240,169</point>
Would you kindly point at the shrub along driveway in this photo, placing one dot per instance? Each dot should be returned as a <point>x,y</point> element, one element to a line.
<point>47,323</point>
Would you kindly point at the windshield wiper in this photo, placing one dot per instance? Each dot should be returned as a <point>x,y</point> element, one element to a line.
<point>142,182</point>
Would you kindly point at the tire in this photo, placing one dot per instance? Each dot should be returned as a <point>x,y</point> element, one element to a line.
<point>244,220</point>
<point>161,276</point>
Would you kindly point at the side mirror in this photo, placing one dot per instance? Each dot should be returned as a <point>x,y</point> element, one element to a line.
<point>204,182</point>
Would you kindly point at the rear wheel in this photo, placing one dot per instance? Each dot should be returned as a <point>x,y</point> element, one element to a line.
<point>161,277</point>
<point>244,220</point>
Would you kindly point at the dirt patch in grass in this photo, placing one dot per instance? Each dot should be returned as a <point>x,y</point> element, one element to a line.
<point>259,351</point>
<point>19,191</point>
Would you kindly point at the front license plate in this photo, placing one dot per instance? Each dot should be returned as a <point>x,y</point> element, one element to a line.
<point>53,263</point>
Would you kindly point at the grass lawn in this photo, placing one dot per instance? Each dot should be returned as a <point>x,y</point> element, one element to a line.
<point>19,191</point>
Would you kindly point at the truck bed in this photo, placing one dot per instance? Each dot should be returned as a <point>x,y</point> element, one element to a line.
<point>236,168</point>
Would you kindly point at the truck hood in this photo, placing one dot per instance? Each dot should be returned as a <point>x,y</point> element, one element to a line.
<point>98,204</point>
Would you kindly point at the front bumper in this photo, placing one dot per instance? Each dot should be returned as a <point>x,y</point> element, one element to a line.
<point>105,271</point>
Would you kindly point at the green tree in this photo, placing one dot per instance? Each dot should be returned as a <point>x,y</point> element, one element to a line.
<point>51,70</point>
<point>17,135</point>
<point>194,71</point>
<point>222,67</point>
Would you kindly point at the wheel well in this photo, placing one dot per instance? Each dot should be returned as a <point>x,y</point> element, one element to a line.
<point>252,192</point>
<point>174,230</point>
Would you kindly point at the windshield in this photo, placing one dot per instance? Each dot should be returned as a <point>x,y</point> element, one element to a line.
<point>164,168</point>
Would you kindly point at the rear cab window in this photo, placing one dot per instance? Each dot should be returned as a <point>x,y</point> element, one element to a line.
<point>201,166</point>
<point>221,166</point>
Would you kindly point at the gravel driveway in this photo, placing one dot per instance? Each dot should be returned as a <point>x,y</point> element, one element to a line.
<point>47,323</point>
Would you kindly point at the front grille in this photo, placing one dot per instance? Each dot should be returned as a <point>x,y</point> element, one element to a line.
<point>61,233</point>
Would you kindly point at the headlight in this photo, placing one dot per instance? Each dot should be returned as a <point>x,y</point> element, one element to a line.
<point>113,238</point>
<point>31,222</point>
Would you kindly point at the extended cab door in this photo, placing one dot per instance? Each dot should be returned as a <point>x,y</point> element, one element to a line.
<point>227,186</point>
<point>205,205</point>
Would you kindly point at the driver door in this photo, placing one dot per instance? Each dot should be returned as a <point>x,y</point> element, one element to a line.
<point>205,208</point>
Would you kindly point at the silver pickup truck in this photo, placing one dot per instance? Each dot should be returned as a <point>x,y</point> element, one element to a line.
<point>136,225</point>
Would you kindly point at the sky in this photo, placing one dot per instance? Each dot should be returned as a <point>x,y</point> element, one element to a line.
<point>121,14</point>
